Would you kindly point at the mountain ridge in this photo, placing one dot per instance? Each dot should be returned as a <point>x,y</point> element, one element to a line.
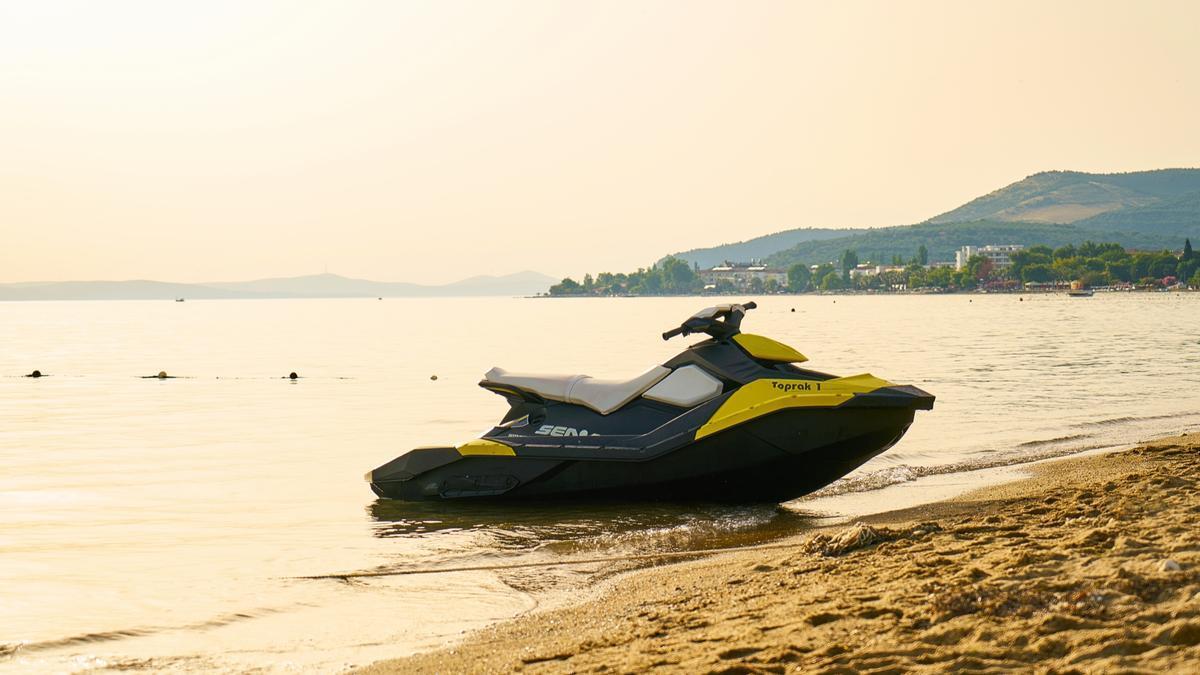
<point>1153,209</point>
<point>1068,196</point>
<point>757,247</point>
<point>307,286</point>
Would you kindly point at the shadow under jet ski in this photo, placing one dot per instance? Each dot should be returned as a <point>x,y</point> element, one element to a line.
<point>589,527</point>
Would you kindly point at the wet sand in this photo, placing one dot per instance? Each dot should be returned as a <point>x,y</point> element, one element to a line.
<point>1090,565</point>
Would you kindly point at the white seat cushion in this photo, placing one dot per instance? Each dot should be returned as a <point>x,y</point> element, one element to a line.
<point>603,396</point>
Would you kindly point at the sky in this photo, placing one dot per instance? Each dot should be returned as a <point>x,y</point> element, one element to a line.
<point>431,141</point>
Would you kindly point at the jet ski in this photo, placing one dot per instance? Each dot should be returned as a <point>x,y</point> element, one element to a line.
<point>732,418</point>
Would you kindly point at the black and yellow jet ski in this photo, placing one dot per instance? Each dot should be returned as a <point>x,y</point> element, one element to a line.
<point>732,418</point>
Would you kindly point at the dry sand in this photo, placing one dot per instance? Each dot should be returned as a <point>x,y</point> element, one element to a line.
<point>1091,565</point>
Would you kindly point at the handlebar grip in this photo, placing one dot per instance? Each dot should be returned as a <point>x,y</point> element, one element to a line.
<point>750,305</point>
<point>672,333</point>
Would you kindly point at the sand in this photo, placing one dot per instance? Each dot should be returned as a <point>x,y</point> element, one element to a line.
<point>1091,565</point>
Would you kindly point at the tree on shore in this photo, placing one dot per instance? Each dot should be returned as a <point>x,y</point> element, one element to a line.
<point>678,276</point>
<point>980,267</point>
<point>567,286</point>
<point>923,255</point>
<point>849,262</point>
<point>832,281</point>
<point>798,277</point>
<point>1037,272</point>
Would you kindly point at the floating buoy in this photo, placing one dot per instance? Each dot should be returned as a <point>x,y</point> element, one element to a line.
<point>793,309</point>
<point>292,375</point>
<point>433,377</point>
<point>36,373</point>
<point>162,375</point>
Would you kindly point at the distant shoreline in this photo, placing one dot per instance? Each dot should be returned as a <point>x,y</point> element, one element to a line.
<point>838,293</point>
<point>748,294</point>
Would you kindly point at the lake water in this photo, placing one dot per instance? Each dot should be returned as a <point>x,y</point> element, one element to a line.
<point>161,524</point>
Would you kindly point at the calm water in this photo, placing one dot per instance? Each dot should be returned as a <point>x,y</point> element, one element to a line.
<point>160,524</point>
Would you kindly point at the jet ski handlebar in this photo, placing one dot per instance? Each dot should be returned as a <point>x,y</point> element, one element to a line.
<point>721,322</point>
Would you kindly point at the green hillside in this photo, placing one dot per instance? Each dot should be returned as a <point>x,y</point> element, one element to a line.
<point>943,239</point>
<point>1179,216</point>
<point>1070,196</point>
<point>755,249</point>
<point>1149,210</point>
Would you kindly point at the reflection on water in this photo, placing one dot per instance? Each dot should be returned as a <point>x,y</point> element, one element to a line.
<point>497,529</point>
<point>164,524</point>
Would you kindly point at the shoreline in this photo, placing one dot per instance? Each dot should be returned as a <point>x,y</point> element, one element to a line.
<point>915,291</point>
<point>1089,563</point>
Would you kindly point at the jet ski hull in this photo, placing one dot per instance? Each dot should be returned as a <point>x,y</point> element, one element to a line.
<point>777,457</point>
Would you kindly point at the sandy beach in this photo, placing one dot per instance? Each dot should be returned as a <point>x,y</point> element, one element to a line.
<point>1090,565</point>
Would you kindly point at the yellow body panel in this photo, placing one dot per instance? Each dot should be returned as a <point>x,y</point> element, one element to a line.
<point>767,349</point>
<point>480,446</point>
<point>767,396</point>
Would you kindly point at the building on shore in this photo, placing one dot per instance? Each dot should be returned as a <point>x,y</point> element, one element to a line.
<point>998,254</point>
<point>742,275</point>
<point>869,270</point>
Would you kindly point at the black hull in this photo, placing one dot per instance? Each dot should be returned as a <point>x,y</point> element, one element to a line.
<point>775,458</point>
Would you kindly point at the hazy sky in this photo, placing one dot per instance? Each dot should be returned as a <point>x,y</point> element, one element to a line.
<point>428,141</point>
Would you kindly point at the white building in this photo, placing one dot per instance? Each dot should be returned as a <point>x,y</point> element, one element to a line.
<point>999,254</point>
<point>740,274</point>
<point>869,270</point>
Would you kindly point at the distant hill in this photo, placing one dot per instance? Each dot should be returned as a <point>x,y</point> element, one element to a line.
<point>756,248</point>
<point>943,239</point>
<point>1071,196</point>
<point>1179,216</point>
<point>315,286</point>
<point>1141,209</point>
<point>110,290</point>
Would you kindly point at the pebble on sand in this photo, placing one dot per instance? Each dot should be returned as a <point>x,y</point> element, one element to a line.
<point>1168,565</point>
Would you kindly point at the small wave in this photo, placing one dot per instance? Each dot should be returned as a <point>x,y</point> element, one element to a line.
<point>876,480</point>
<point>111,635</point>
<point>1050,441</point>
<point>1112,421</point>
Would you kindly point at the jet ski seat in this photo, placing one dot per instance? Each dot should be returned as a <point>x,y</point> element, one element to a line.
<point>603,396</point>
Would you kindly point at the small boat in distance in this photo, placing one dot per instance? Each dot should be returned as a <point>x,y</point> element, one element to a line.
<point>1079,290</point>
<point>178,299</point>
